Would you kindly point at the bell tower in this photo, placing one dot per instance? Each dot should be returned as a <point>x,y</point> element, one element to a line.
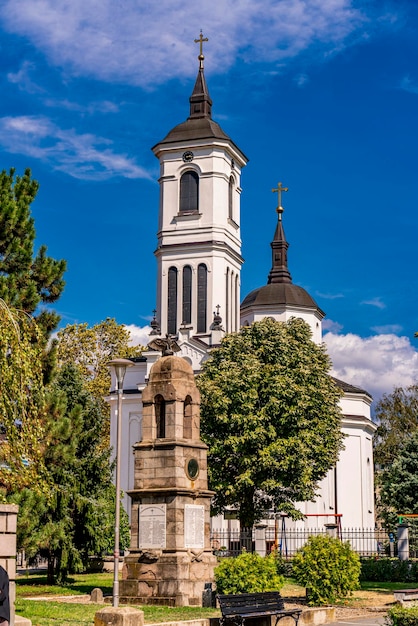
<point>199,242</point>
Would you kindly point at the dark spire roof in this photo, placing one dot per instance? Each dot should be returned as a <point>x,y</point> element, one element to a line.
<point>200,100</point>
<point>279,272</point>
<point>199,125</point>
<point>279,291</point>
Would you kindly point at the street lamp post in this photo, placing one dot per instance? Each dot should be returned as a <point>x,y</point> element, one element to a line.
<point>119,366</point>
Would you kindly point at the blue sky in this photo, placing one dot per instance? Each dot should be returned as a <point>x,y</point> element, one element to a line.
<point>319,94</point>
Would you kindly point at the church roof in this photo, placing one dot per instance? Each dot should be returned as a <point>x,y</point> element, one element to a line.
<point>280,291</point>
<point>347,388</point>
<point>199,125</point>
<point>280,294</point>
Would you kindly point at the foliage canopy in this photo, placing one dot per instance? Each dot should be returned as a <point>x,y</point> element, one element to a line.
<point>270,417</point>
<point>328,567</point>
<point>248,573</point>
<point>397,416</point>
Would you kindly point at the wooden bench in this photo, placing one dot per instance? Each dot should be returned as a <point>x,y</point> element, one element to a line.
<point>406,597</point>
<point>237,608</point>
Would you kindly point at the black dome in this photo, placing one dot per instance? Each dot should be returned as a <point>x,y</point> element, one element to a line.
<point>280,294</point>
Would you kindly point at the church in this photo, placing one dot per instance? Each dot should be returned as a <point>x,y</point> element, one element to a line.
<point>198,300</point>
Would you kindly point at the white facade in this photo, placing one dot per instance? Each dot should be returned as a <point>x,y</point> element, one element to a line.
<point>208,235</point>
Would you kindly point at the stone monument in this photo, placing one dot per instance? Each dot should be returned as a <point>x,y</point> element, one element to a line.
<point>170,556</point>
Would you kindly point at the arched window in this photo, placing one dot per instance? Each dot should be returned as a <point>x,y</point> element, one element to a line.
<point>159,403</point>
<point>202,297</point>
<point>187,295</point>
<point>231,198</point>
<point>189,192</point>
<point>227,300</point>
<point>172,301</point>
<point>187,418</point>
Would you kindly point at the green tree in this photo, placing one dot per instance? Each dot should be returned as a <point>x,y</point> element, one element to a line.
<point>399,482</point>
<point>270,417</point>
<point>397,416</point>
<point>22,401</point>
<point>75,519</point>
<point>91,348</point>
<point>26,280</point>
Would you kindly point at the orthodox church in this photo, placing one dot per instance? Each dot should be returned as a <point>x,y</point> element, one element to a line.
<point>198,299</point>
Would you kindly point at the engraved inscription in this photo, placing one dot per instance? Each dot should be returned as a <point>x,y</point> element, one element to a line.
<point>152,526</point>
<point>194,526</point>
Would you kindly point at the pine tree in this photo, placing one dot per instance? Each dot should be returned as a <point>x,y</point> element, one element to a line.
<point>26,281</point>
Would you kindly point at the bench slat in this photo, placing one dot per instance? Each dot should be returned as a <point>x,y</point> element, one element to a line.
<point>239,607</point>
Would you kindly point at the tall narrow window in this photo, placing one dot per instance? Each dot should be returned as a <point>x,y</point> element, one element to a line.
<point>172,301</point>
<point>227,300</point>
<point>202,297</point>
<point>187,295</point>
<point>159,403</point>
<point>236,303</point>
<point>231,198</point>
<point>187,418</point>
<point>189,192</point>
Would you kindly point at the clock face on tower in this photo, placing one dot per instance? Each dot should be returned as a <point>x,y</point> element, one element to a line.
<point>188,156</point>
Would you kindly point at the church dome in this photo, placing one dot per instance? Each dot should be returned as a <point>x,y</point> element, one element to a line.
<point>276,294</point>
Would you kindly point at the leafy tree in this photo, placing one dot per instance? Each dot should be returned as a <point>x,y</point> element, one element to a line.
<point>21,401</point>
<point>399,482</point>
<point>76,518</point>
<point>91,348</point>
<point>26,281</point>
<point>270,417</point>
<point>397,415</point>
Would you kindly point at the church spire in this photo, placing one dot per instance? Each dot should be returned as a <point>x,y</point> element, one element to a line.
<point>279,272</point>
<point>200,100</point>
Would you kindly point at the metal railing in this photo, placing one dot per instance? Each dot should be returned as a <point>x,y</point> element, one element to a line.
<point>365,541</point>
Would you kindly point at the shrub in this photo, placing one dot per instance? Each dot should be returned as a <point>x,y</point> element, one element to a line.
<point>328,568</point>
<point>400,616</point>
<point>248,573</point>
<point>389,570</point>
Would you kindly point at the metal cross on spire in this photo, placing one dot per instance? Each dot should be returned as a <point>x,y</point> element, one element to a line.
<point>200,41</point>
<point>279,190</point>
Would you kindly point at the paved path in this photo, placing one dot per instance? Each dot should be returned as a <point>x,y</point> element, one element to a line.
<point>370,620</point>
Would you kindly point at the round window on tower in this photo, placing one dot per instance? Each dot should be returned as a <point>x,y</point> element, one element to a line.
<point>192,468</point>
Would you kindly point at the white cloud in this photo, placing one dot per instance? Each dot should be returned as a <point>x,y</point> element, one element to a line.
<point>22,78</point>
<point>149,42</point>
<point>377,363</point>
<point>104,106</point>
<point>330,296</point>
<point>377,302</point>
<point>139,336</point>
<point>407,84</point>
<point>83,156</point>
<point>388,328</point>
<point>331,326</point>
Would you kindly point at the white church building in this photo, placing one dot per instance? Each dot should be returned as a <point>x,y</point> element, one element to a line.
<point>199,271</point>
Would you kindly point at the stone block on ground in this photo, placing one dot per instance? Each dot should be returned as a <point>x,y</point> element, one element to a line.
<point>119,616</point>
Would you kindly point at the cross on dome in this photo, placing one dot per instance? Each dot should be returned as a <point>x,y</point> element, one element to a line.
<point>201,55</point>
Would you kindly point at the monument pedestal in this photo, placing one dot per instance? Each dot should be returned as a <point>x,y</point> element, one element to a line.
<point>170,556</point>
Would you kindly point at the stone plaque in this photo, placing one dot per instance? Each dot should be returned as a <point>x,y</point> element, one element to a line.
<point>194,526</point>
<point>152,526</point>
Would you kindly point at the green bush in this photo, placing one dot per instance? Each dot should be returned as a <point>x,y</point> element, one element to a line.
<point>328,568</point>
<point>389,570</point>
<point>400,616</point>
<point>248,573</point>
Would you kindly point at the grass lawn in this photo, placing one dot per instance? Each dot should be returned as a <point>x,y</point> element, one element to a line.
<point>52,613</point>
